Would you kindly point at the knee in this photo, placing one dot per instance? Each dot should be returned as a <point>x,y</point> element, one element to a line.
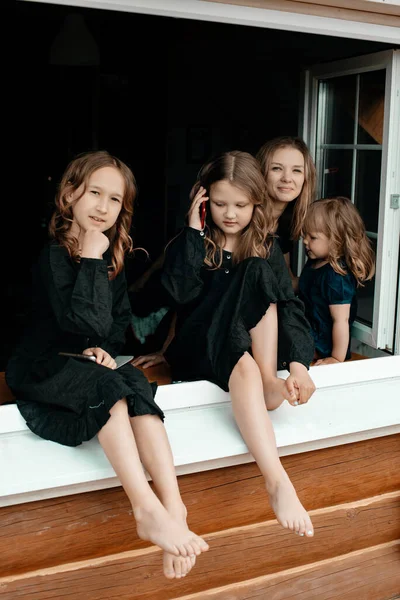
<point>246,366</point>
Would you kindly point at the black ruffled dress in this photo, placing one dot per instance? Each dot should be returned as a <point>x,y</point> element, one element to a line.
<point>75,306</point>
<point>217,308</point>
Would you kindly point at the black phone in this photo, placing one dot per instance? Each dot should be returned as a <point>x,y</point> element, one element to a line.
<point>81,356</point>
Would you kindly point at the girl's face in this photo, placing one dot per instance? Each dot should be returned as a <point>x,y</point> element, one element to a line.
<point>285,177</point>
<point>99,206</point>
<point>317,245</point>
<point>230,208</point>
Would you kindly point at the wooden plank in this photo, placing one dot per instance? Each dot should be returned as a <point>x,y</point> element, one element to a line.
<point>389,14</point>
<point>372,574</point>
<point>236,555</point>
<point>49,532</point>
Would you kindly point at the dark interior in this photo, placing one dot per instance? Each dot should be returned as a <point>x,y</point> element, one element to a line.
<point>162,94</point>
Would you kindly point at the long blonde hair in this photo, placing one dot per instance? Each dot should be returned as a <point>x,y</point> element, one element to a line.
<point>242,170</point>
<point>77,174</point>
<point>302,202</point>
<point>340,221</point>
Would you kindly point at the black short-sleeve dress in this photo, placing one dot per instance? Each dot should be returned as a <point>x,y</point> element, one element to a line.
<point>75,306</point>
<point>217,308</point>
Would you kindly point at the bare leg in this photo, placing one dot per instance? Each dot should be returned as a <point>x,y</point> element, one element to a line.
<point>153,521</point>
<point>264,337</point>
<point>156,456</point>
<point>246,391</point>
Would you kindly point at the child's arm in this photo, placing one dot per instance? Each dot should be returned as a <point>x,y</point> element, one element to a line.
<point>79,294</point>
<point>340,314</point>
<point>184,259</point>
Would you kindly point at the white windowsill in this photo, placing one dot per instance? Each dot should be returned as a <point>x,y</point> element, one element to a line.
<point>354,401</point>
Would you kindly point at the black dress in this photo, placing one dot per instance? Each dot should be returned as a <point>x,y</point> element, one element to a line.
<point>75,306</point>
<point>284,229</point>
<point>217,308</point>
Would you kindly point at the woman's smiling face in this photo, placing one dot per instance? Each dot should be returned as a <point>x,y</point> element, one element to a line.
<point>285,177</point>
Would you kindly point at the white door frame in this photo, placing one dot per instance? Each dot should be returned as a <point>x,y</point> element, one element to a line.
<point>381,335</point>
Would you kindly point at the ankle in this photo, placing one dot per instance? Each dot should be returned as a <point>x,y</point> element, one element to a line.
<point>175,508</point>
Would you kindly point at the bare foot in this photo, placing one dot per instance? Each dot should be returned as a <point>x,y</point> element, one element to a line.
<point>154,524</point>
<point>275,392</point>
<point>176,567</point>
<point>288,509</point>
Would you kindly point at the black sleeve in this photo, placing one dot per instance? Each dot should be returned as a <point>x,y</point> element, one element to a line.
<point>121,315</point>
<point>295,343</point>
<point>79,293</point>
<point>184,259</point>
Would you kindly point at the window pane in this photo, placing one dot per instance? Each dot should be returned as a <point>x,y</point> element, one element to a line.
<point>337,173</point>
<point>370,109</point>
<point>365,297</point>
<point>368,187</point>
<point>340,105</point>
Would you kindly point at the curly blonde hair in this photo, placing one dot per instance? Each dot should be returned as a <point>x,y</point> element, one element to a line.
<point>302,202</point>
<point>242,170</point>
<point>340,221</point>
<point>76,175</point>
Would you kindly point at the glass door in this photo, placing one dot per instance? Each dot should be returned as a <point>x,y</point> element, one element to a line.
<point>352,126</point>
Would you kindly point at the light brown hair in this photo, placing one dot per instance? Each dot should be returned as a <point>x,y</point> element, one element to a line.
<point>77,174</point>
<point>242,170</point>
<point>340,221</point>
<point>265,156</point>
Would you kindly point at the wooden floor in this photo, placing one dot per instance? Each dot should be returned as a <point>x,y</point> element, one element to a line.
<point>85,547</point>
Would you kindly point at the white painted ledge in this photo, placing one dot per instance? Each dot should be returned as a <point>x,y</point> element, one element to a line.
<point>243,15</point>
<point>354,401</point>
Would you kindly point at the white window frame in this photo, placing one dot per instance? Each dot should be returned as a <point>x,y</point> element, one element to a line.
<point>381,334</point>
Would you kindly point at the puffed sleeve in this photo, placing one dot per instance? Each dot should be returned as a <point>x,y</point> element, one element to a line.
<point>340,289</point>
<point>184,259</point>
<point>121,315</point>
<point>295,343</point>
<point>79,293</point>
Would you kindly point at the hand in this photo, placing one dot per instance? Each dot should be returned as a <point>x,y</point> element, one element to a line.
<point>299,384</point>
<point>102,357</point>
<point>94,244</point>
<point>329,360</point>
<point>194,211</point>
<point>149,360</point>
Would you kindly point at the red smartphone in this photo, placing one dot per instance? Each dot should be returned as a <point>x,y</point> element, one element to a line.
<point>203,213</point>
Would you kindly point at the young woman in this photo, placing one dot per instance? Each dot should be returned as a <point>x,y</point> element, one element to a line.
<point>289,173</point>
<point>80,305</point>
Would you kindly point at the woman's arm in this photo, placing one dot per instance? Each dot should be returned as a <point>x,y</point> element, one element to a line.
<point>295,343</point>
<point>294,278</point>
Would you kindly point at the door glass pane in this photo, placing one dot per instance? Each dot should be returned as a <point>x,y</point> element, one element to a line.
<point>368,176</point>
<point>340,110</point>
<point>370,108</point>
<point>365,296</point>
<point>337,172</point>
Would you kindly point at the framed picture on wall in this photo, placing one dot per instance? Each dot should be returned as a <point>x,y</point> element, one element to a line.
<point>198,144</point>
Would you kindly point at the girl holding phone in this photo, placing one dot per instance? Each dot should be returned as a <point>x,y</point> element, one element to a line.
<point>232,293</point>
